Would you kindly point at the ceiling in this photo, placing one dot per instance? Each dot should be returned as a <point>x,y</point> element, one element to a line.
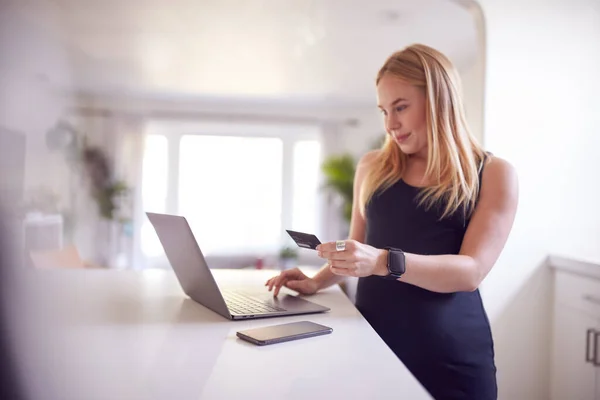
<point>299,49</point>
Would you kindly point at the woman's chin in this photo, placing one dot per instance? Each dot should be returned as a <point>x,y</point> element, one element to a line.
<point>406,148</point>
<point>410,150</point>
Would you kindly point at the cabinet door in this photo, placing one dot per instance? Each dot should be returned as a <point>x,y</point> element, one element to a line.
<point>597,349</point>
<point>573,378</point>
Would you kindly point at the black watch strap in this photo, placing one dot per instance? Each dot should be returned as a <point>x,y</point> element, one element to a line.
<point>396,263</point>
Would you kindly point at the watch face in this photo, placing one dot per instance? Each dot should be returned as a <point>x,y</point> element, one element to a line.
<point>396,262</point>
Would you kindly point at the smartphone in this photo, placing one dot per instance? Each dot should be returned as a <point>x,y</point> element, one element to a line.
<point>283,332</point>
<point>306,240</point>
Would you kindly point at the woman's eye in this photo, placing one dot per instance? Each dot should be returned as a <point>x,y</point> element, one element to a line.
<point>400,108</point>
<point>383,112</point>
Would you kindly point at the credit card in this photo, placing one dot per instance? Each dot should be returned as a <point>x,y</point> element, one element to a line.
<point>305,240</point>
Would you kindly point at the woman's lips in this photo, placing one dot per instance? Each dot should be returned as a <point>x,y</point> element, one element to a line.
<point>402,138</point>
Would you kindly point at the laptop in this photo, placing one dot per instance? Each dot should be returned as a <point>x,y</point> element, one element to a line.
<point>197,281</point>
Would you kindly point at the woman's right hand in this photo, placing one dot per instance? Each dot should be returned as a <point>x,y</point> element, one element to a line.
<point>295,280</point>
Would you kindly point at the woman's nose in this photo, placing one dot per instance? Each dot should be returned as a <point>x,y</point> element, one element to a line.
<point>392,123</point>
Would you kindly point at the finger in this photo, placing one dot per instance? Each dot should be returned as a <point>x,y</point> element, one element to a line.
<point>283,276</point>
<point>341,271</point>
<point>270,283</point>
<point>274,282</point>
<point>332,247</point>
<point>327,250</point>
<point>286,276</point>
<point>342,264</point>
<point>338,255</point>
<point>327,247</point>
<point>278,287</point>
<point>281,279</point>
<point>271,280</point>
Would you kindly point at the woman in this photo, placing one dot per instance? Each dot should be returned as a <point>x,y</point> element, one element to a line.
<point>432,212</point>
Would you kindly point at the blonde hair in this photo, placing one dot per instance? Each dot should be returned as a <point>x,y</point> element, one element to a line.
<point>454,155</point>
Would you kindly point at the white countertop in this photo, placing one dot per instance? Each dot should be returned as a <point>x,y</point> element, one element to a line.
<point>135,335</point>
<point>588,268</point>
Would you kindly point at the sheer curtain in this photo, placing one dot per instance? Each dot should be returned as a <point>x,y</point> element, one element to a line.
<point>128,144</point>
<point>108,243</point>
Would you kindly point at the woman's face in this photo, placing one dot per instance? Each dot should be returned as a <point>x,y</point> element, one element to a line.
<point>403,109</point>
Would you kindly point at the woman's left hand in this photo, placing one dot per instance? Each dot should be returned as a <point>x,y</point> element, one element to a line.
<point>357,259</point>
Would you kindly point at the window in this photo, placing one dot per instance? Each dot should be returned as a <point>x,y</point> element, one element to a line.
<point>239,186</point>
<point>307,156</point>
<point>230,189</point>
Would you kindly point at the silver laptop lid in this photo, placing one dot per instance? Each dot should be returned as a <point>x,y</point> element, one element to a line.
<point>187,260</point>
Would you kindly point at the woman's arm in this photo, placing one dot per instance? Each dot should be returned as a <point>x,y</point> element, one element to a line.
<point>326,277</point>
<point>484,240</point>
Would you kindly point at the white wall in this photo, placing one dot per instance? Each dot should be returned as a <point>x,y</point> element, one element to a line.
<point>541,113</point>
<point>34,67</point>
<point>473,78</point>
<point>473,88</point>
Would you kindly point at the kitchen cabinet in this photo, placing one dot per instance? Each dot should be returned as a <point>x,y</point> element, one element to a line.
<point>576,338</point>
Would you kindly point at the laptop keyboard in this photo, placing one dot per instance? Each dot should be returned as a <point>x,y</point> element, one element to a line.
<point>239,303</point>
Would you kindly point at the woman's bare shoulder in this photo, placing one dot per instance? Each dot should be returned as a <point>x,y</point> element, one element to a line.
<point>368,157</point>
<point>365,162</point>
<point>495,166</point>
<point>499,176</point>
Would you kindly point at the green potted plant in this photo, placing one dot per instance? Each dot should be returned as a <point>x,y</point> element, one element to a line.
<point>288,257</point>
<point>339,173</point>
<point>94,163</point>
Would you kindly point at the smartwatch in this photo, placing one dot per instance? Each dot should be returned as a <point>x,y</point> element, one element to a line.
<point>396,263</point>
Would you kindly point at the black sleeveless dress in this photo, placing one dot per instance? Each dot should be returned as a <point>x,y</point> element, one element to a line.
<point>443,339</point>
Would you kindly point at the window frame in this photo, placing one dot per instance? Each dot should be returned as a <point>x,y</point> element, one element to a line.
<point>174,131</point>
